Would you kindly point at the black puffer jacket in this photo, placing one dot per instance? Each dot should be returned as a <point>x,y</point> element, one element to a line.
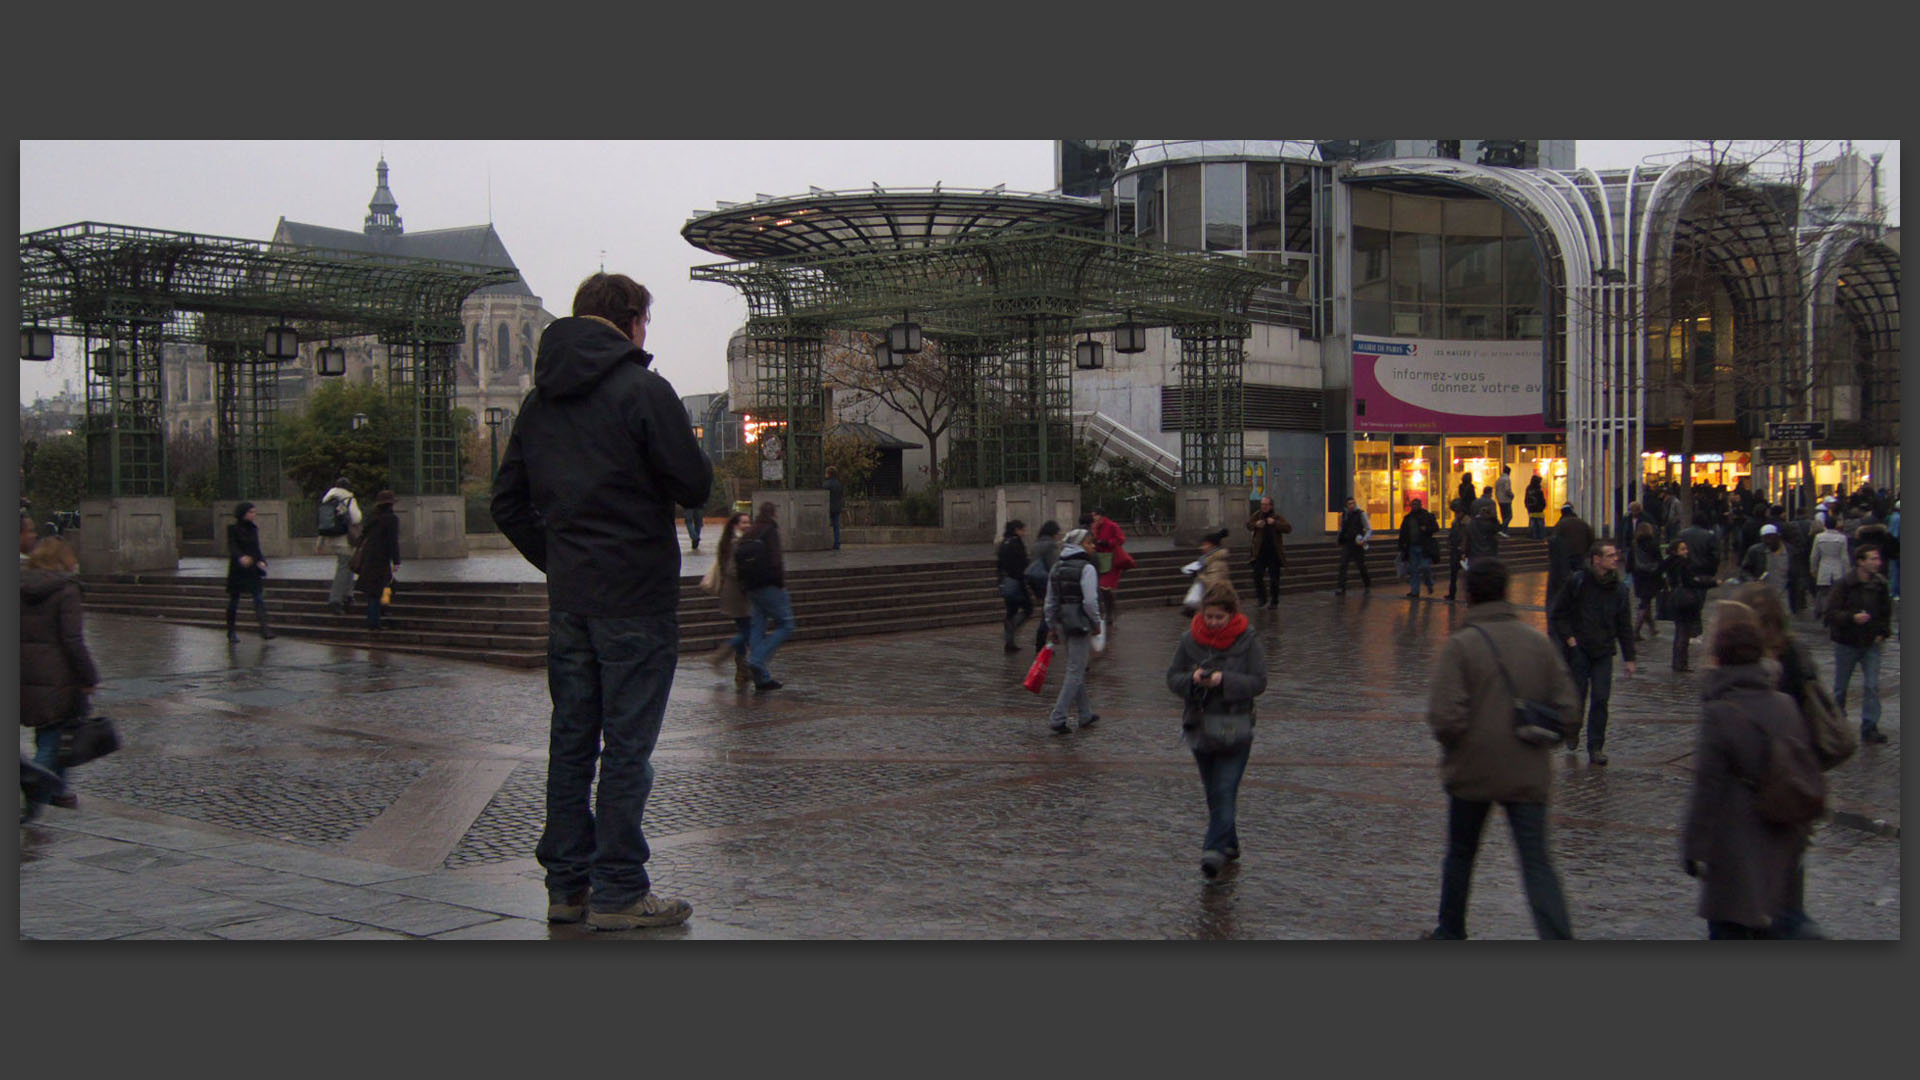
<point>55,665</point>
<point>601,454</point>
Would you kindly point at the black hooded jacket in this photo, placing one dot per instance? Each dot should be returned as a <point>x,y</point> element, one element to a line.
<point>601,453</point>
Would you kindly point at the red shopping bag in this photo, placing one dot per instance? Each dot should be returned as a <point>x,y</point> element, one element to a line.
<point>1037,674</point>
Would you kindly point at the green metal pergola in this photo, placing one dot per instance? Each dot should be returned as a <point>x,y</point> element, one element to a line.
<point>125,291</point>
<point>1007,305</point>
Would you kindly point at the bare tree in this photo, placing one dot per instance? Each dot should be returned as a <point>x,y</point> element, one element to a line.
<point>926,390</point>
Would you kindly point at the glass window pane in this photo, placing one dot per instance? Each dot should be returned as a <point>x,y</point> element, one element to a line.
<point>1522,272</point>
<point>1264,222</point>
<point>1473,270</point>
<point>1370,317</point>
<point>1414,213</point>
<point>1226,202</point>
<point>1370,254</point>
<point>1298,199</point>
<point>1183,207</point>
<point>1475,323</point>
<point>1416,267</point>
<point>1148,220</point>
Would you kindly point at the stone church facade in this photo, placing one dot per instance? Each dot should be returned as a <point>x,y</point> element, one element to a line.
<point>503,322</point>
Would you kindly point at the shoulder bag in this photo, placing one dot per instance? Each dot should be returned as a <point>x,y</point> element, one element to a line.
<point>1215,731</point>
<point>84,738</point>
<point>1834,740</point>
<point>710,581</point>
<point>1533,723</point>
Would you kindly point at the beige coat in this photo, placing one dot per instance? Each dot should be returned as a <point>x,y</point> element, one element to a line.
<point>1216,571</point>
<point>1471,713</point>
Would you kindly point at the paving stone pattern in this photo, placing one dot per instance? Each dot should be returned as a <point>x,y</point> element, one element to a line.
<point>901,786</point>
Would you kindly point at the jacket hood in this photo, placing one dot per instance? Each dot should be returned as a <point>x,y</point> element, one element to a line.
<point>1070,550</point>
<point>1764,675</point>
<point>36,585</point>
<point>577,352</point>
<point>1490,611</point>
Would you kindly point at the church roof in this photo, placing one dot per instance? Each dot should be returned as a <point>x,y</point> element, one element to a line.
<point>467,243</point>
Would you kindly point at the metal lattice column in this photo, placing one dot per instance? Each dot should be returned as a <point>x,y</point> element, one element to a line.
<point>1038,380</point>
<point>246,401</point>
<point>125,426</point>
<point>978,441</point>
<point>1212,402</point>
<point>423,458</point>
<point>788,389</point>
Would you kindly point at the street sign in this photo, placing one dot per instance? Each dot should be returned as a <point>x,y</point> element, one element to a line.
<point>1779,455</point>
<point>1798,429</point>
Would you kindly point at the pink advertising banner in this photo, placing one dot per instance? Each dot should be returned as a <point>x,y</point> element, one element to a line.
<point>1457,387</point>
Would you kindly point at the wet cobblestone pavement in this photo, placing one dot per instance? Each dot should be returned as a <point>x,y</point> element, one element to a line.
<point>900,787</point>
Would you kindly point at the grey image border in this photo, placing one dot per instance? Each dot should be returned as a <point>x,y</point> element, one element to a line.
<point>1357,1007</point>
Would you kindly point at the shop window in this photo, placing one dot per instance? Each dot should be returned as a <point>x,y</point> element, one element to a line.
<point>1472,270</point>
<point>1416,268</point>
<point>1473,323</point>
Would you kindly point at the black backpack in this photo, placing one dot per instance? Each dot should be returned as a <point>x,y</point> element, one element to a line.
<point>333,518</point>
<point>753,562</point>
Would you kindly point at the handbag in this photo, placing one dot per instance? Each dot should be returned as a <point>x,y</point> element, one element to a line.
<point>1103,561</point>
<point>81,741</point>
<point>358,560</point>
<point>1037,576</point>
<point>1195,593</point>
<point>1834,740</point>
<point>1533,723</point>
<point>1215,731</point>
<point>710,581</point>
<point>1663,605</point>
<point>1012,589</point>
<point>1037,674</point>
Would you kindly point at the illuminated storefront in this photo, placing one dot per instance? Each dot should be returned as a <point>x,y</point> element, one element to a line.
<point>1709,467</point>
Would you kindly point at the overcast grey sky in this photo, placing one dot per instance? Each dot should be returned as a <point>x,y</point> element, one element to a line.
<point>557,206</point>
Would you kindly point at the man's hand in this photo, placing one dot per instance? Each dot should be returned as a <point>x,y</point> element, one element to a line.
<point>1861,617</point>
<point>1570,643</point>
<point>246,560</point>
<point>1632,668</point>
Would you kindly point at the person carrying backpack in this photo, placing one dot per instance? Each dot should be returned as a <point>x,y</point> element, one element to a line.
<point>338,532</point>
<point>1073,618</point>
<point>1757,789</point>
<point>763,573</point>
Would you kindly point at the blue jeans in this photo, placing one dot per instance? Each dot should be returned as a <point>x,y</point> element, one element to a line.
<point>1418,566</point>
<point>1220,775</point>
<point>1595,672</point>
<point>742,633</point>
<point>1537,525</point>
<point>772,625</point>
<point>374,607</point>
<point>834,516</point>
<point>609,679</point>
<point>693,528</point>
<point>46,745</point>
<point>1465,821</point>
<point>1868,658</point>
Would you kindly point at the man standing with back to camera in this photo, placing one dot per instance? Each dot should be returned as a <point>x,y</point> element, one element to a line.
<point>599,457</point>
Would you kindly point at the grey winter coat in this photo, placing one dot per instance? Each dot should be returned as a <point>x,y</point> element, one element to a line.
<point>55,666</point>
<point>1748,862</point>
<point>1243,667</point>
<point>1471,713</point>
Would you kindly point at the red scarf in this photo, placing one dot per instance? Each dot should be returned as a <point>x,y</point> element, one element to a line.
<point>1221,640</point>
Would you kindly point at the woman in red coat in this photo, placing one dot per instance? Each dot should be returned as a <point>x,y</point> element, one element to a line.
<point>1108,539</point>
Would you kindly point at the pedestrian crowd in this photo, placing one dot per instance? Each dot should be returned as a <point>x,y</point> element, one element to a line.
<point>601,456</point>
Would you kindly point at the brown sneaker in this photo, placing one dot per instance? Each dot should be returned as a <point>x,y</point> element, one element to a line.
<point>568,908</point>
<point>649,910</point>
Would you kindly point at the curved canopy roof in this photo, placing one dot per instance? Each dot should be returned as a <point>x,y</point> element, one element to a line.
<point>853,222</point>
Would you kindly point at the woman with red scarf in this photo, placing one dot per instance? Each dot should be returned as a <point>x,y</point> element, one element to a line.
<point>1109,540</point>
<point>1218,670</point>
